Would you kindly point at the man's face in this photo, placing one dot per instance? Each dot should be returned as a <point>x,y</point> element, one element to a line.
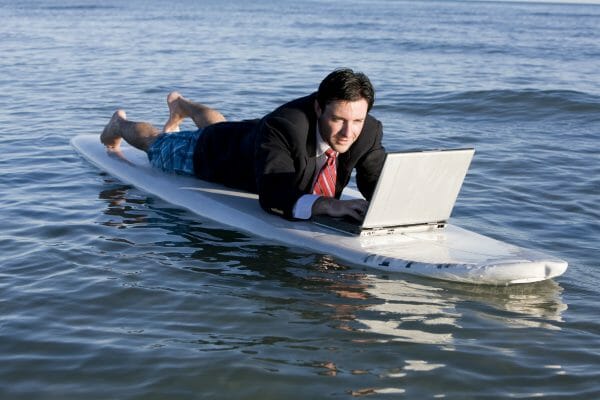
<point>341,122</point>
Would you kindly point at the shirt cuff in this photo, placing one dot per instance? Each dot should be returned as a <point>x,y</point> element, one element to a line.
<point>303,207</point>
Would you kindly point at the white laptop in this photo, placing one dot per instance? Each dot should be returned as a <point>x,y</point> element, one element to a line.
<point>416,191</point>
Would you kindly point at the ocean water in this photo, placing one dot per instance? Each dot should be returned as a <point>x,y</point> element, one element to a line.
<point>107,292</point>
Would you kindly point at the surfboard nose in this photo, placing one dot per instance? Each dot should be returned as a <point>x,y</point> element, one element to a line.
<point>555,268</point>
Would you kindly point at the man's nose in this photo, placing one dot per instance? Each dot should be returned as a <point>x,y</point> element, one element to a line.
<point>346,130</point>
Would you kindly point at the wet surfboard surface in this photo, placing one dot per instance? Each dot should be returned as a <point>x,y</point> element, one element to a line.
<point>451,253</point>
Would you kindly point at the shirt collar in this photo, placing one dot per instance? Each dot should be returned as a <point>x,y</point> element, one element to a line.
<point>322,146</point>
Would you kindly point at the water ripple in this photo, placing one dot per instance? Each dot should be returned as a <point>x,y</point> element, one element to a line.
<point>525,104</point>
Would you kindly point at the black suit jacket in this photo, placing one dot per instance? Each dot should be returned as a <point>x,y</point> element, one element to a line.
<point>276,156</point>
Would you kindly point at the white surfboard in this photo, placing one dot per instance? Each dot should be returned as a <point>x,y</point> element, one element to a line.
<point>452,253</point>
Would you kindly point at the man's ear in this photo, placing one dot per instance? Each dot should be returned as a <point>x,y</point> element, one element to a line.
<point>318,110</point>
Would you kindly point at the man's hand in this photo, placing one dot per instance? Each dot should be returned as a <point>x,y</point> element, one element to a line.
<point>340,208</point>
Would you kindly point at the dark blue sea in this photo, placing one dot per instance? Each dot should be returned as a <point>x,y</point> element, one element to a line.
<point>107,292</point>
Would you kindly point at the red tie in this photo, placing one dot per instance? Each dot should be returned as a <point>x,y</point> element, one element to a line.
<point>325,184</point>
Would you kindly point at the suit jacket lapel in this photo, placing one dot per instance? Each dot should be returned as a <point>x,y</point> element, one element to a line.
<point>311,157</point>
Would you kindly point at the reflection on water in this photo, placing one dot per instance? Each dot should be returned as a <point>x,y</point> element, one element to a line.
<point>415,311</point>
<point>409,311</point>
<point>420,313</point>
<point>121,204</point>
<point>537,305</point>
<point>426,311</point>
<point>250,284</point>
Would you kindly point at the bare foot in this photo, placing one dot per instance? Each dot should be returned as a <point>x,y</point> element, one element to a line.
<point>110,136</point>
<point>176,114</point>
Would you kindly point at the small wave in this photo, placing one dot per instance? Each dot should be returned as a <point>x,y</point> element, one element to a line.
<point>78,7</point>
<point>527,103</point>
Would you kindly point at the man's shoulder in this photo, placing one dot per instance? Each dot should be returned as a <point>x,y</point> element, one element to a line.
<point>372,123</point>
<point>372,131</point>
<point>301,107</point>
<point>300,102</point>
<point>294,117</point>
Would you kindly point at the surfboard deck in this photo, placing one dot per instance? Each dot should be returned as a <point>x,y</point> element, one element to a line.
<point>452,253</point>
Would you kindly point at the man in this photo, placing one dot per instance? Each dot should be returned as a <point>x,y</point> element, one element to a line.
<point>298,158</point>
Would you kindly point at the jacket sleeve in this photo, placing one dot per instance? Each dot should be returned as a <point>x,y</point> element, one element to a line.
<point>279,166</point>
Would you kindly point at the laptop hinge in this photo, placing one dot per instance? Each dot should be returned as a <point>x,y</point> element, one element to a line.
<point>394,230</point>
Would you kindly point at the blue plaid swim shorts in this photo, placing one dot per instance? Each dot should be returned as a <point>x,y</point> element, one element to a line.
<point>174,152</point>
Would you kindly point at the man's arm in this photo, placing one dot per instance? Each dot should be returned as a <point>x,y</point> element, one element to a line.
<point>281,164</point>
<point>355,208</point>
<point>370,165</point>
<point>311,204</point>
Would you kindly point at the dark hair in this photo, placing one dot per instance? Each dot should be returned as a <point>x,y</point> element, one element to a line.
<point>347,85</point>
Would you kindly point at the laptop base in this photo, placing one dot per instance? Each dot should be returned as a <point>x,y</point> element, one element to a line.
<point>354,228</point>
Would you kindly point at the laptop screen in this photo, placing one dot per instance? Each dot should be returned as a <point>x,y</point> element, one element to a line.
<point>417,187</point>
